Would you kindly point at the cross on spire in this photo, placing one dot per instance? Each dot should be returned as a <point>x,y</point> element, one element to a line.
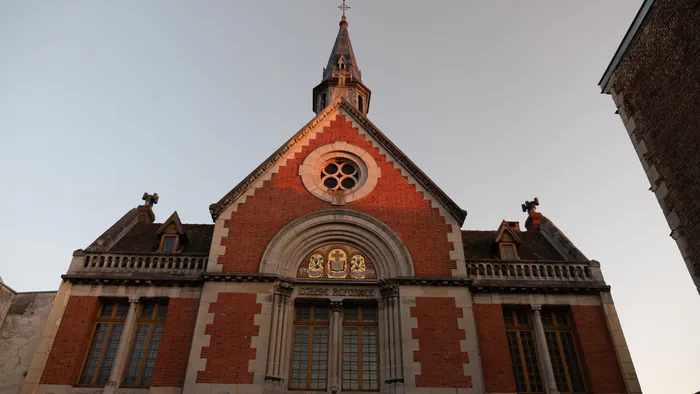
<point>344,7</point>
<point>150,199</point>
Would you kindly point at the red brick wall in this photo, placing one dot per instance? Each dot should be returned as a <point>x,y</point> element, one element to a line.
<point>174,350</point>
<point>493,347</point>
<point>598,350</point>
<point>72,341</point>
<point>393,201</point>
<point>438,335</point>
<point>229,349</point>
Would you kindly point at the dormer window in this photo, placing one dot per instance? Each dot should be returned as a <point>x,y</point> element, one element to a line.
<point>361,103</point>
<point>323,102</point>
<point>508,251</point>
<point>169,244</point>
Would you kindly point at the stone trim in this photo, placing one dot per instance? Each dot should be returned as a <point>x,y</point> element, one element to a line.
<point>136,280</point>
<point>679,233</point>
<point>621,350</point>
<point>217,208</point>
<point>41,355</point>
<point>467,323</point>
<point>536,299</point>
<point>386,250</point>
<point>310,171</point>
<point>257,366</point>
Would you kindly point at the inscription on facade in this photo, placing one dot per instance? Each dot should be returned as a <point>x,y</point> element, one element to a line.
<point>313,291</point>
<point>336,291</point>
<point>353,292</point>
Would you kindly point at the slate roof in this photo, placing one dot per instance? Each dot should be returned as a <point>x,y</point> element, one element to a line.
<point>480,245</point>
<point>143,238</point>
<point>342,47</point>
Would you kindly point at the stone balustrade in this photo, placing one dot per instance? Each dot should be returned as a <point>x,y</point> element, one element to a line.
<point>539,271</point>
<point>147,263</point>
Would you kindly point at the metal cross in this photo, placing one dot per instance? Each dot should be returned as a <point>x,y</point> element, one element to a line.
<point>344,7</point>
<point>150,199</point>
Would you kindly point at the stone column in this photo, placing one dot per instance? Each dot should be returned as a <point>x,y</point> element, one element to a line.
<point>119,363</point>
<point>550,384</point>
<point>277,344</point>
<point>273,344</point>
<point>335,342</point>
<point>392,332</point>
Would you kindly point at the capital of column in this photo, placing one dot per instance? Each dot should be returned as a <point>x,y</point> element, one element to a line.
<point>389,290</point>
<point>336,306</point>
<point>536,308</point>
<point>284,288</point>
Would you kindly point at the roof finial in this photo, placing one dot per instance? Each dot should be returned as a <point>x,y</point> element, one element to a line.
<point>343,7</point>
<point>531,206</point>
<point>150,199</point>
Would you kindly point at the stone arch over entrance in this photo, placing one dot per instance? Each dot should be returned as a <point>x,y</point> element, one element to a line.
<point>305,233</point>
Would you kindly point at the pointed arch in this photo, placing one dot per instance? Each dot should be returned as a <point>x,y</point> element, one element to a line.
<point>305,233</point>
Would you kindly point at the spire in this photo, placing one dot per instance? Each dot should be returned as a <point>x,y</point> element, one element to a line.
<point>341,77</point>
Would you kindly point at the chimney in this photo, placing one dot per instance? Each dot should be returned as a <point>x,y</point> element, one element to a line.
<point>533,219</point>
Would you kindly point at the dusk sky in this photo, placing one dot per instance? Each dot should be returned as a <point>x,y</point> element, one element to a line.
<point>497,101</point>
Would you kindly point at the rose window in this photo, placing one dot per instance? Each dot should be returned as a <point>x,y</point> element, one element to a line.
<point>340,174</point>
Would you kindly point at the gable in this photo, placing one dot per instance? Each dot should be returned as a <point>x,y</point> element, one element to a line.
<point>276,195</point>
<point>379,140</point>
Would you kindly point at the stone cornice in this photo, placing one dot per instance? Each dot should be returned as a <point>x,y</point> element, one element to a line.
<point>216,209</point>
<point>135,280</point>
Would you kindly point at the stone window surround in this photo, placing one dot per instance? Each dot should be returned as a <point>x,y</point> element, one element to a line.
<point>336,292</point>
<point>310,172</point>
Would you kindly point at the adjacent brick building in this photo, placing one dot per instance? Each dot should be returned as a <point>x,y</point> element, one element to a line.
<point>654,80</point>
<point>336,266</point>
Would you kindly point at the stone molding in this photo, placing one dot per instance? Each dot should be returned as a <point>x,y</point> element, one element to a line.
<point>310,171</point>
<point>287,248</point>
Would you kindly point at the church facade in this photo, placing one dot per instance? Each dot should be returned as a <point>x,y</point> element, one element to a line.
<point>336,266</point>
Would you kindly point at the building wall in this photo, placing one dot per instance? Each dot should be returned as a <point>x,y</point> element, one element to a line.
<point>656,87</point>
<point>603,352</point>
<point>19,336</point>
<point>395,201</point>
<point>71,342</point>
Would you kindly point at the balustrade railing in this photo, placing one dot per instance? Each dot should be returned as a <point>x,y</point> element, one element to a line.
<point>154,262</point>
<point>535,271</point>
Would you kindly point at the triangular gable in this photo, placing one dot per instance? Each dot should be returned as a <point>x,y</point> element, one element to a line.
<point>451,207</point>
<point>506,234</point>
<point>173,219</point>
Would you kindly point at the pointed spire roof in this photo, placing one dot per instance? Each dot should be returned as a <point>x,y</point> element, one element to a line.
<point>342,49</point>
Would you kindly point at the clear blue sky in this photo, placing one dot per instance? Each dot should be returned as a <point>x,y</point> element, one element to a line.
<point>495,100</point>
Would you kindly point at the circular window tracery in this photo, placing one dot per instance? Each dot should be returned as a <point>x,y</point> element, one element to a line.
<point>340,174</point>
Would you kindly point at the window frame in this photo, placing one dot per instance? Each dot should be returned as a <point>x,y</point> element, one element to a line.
<point>176,244</point>
<point>360,324</point>
<point>312,324</point>
<point>511,245</point>
<point>152,321</point>
<point>518,329</point>
<point>558,328</point>
<point>111,321</point>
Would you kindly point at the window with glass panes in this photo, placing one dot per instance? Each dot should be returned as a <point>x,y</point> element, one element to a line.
<point>309,369</point>
<point>104,344</point>
<point>523,351</point>
<point>562,350</point>
<point>144,345</point>
<point>360,348</point>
